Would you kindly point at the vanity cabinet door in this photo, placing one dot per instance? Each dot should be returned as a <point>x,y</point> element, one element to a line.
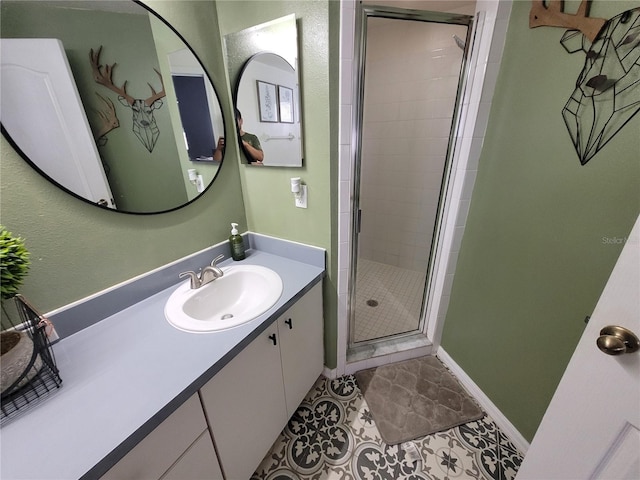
<point>197,463</point>
<point>245,405</point>
<point>301,347</point>
<point>159,450</point>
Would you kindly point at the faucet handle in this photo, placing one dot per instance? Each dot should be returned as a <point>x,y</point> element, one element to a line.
<point>215,261</point>
<point>195,280</point>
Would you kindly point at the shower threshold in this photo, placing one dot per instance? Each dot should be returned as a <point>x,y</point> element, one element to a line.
<point>381,347</point>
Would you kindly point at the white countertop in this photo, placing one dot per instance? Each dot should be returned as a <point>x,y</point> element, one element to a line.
<point>123,376</point>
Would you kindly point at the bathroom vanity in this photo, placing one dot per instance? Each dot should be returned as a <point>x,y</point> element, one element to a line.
<point>142,399</point>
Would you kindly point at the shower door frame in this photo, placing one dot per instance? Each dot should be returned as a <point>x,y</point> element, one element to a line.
<point>363,13</point>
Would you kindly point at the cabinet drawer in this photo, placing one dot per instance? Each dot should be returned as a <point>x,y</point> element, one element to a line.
<point>153,456</point>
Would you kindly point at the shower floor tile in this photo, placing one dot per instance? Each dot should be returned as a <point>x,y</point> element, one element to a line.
<point>333,435</point>
<point>388,300</point>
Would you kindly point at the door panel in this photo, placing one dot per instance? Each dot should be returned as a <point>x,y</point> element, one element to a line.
<point>411,70</point>
<point>245,405</point>
<point>42,111</point>
<point>195,115</point>
<point>591,428</point>
<point>301,347</point>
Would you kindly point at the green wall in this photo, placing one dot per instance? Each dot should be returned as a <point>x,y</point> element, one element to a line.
<point>535,255</point>
<point>269,204</point>
<point>78,249</point>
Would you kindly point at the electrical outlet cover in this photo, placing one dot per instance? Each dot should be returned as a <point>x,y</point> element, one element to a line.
<point>301,199</point>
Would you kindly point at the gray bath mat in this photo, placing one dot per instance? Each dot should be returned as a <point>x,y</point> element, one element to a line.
<point>415,398</point>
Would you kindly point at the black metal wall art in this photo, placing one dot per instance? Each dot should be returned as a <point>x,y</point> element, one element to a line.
<point>607,92</point>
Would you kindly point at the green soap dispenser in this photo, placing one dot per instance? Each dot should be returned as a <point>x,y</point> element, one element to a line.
<point>237,243</point>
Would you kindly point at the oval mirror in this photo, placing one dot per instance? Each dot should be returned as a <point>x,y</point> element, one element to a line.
<point>268,110</point>
<point>107,101</point>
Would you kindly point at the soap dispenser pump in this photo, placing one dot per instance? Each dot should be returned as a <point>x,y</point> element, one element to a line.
<point>237,243</point>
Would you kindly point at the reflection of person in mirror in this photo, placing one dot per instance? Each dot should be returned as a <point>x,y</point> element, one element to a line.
<point>219,151</point>
<point>250,142</point>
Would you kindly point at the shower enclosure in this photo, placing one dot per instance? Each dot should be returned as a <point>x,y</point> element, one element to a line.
<point>411,66</point>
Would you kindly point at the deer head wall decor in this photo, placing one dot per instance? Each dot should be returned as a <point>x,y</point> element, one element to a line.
<point>144,122</point>
<point>607,91</point>
<point>550,14</point>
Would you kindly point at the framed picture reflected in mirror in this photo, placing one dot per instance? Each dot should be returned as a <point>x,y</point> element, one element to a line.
<point>285,104</point>
<point>267,102</point>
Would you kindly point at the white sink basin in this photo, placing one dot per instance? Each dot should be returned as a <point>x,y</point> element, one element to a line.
<point>242,294</point>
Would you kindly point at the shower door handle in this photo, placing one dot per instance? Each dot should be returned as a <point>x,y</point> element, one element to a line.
<point>359,221</point>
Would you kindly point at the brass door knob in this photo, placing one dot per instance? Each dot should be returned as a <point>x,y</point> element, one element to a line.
<point>614,340</point>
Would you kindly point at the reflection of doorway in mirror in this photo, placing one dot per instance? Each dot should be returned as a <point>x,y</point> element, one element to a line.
<point>182,63</point>
<point>195,116</point>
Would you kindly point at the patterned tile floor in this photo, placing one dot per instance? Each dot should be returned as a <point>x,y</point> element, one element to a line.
<point>333,436</point>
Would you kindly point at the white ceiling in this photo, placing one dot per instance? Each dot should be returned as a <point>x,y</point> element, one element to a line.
<point>118,6</point>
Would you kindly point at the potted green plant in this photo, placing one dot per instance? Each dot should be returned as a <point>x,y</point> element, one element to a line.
<point>16,348</point>
<point>14,263</point>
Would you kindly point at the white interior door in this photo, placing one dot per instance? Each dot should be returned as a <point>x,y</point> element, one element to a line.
<point>592,426</point>
<point>42,111</point>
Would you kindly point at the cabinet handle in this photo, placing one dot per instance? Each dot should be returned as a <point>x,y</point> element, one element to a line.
<point>272,337</point>
<point>288,322</point>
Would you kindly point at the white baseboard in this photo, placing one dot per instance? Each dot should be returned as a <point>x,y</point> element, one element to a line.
<point>330,373</point>
<point>489,407</point>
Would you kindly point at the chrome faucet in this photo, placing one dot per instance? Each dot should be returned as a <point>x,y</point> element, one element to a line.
<point>211,272</point>
<point>207,275</point>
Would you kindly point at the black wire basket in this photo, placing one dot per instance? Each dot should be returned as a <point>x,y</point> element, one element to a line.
<point>29,371</point>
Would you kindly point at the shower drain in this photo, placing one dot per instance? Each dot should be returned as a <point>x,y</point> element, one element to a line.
<point>372,303</point>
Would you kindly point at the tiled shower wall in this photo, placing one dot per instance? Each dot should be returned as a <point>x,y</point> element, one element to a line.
<point>412,71</point>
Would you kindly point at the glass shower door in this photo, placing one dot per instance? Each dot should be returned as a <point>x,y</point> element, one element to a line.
<point>412,67</point>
